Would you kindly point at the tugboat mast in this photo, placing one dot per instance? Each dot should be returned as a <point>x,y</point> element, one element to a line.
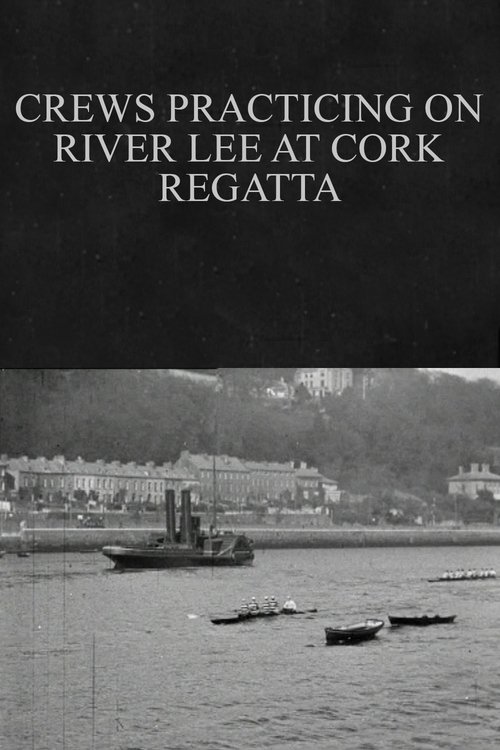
<point>218,387</point>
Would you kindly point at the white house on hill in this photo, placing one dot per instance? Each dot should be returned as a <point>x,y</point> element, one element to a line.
<point>470,482</point>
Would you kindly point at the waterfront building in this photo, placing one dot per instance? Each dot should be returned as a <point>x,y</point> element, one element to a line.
<point>331,490</point>
<point>98,483</point>
<point>471,482</point>
<point>309,486</point>
<point>229,475</point>
<point>239,481</point>
<point>271,480</point>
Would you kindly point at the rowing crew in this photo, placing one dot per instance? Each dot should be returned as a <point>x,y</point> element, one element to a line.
<point>461,574</point>
<point>269,606</point>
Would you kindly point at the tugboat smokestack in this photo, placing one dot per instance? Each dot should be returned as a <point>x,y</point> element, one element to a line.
<point>186,516</point>
<point>170,514</point>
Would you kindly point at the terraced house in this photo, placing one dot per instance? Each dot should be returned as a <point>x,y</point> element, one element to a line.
<point>230,476</point>
<point>238,481</point>
<point>56,480</point>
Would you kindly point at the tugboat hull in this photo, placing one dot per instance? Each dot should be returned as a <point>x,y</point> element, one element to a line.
<point>129,557</point>
<point>186,547</point>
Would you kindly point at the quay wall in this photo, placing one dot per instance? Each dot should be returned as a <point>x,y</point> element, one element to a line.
<point>88,540</point>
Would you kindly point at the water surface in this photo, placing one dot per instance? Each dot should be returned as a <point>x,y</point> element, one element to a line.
<point>130,661</point>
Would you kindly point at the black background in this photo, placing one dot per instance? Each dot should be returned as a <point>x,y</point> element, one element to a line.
<point>405,271</point>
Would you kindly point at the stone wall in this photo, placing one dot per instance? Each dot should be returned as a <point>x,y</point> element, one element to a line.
<point>86,540</point>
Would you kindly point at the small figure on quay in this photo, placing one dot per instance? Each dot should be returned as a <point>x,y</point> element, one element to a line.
<point>289,607</point>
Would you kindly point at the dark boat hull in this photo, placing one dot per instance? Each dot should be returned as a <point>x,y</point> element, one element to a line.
<point>354,633</point>
<point>235,617</point>
<point>458,580</point>
<point>421,621</point>
<point>158,559</point>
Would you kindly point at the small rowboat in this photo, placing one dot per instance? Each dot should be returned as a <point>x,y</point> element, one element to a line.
<point>421,620</point>
<point>361,631</point>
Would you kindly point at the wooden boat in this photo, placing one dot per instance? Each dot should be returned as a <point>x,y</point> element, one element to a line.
<point>360,631</point>
<point>464,578</point>
<point>23,553</point>
<point>421,620</point>
<point>230,618</point>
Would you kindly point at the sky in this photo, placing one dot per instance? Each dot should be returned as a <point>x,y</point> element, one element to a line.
<point>470,373</point>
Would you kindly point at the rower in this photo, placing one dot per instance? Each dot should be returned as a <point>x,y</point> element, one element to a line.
<point>265,607</point>
<point>243,607</point>
<point>273,604</point>
<point>253,606</point>
<point>289,606</point>
<point>493,573</point>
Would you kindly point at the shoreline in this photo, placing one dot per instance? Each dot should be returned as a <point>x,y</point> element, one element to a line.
<point>91,540</point>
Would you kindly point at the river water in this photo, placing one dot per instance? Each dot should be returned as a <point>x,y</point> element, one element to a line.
<point>93,659</point>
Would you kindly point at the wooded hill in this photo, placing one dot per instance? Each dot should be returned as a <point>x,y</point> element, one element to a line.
<point>410,432</point>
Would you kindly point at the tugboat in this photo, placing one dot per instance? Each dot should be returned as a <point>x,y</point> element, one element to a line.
<point>186,547</point>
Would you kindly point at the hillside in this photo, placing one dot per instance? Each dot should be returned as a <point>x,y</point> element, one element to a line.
<point>410,432</point>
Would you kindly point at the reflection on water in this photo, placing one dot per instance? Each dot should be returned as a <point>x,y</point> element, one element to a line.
<point>92,658</point>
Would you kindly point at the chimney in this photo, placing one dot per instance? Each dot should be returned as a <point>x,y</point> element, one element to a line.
<point>460,469</point>
<point>485,468</point>
<point>474,468</point>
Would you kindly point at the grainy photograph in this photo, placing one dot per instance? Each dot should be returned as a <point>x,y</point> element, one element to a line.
<point>249,557</point>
